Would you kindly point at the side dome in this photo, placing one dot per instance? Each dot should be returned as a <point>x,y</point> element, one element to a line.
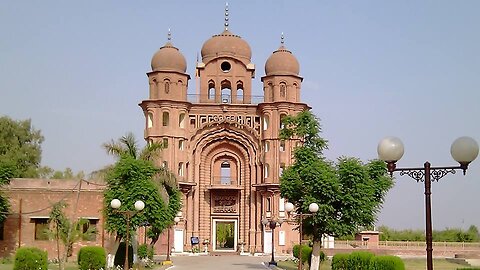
<point>226,44</point>
<point>282,62</point>
<point>169,58</point>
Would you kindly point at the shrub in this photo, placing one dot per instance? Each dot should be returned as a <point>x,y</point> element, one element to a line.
<point>27,258</point>
<point>340,261</point>
<point>91,258</point>
<point>120,256</point>
<point>306,252</point>
<point>359,260</point>
<point>145,251</point>
<point>386,262</point>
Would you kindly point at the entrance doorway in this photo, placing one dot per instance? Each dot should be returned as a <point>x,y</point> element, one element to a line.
<point>178,240</point>
<point>225,235</point>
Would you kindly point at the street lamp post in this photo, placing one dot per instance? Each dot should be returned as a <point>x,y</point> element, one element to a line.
<point>464,150</point>
<point>139,205</point>
<point>313,208</point>
<point>272,224</point>
<point>176,220</point>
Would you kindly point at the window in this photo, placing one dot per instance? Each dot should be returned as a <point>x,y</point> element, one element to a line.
<point>282,167</point>
<point>167,86</point>
<point>225,173</point>
<point>41,227</point>
<point>165,164</point>
<point>281,206</point>
<point>270,91</point>
<point>266,121</point>
<point>226,91</point>
<point>281,120</point>
<point>181,120</point>
<point>266,146</point>
<point>165,118</point>
<point>268,206</point>
<point>150,120</point>
<point>283,90</point>
<point>180,144</point>
<point>281,238</point>
<point>240,91</point>
<point>265,171</point>
<point>282,146</point>
<point>225,66</point>
<point>211,90</point>
<point>180,169</point>
<point>90,224</point>
<point>165,143</point>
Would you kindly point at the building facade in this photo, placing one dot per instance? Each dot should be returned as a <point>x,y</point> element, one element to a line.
<point>223,143</point>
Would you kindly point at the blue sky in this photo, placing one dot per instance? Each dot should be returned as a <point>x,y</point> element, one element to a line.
<point>371,69</point>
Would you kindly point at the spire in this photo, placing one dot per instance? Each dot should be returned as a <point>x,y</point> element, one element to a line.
<point>226,16</point>
<point>282,40</point>
<point>169,35</point>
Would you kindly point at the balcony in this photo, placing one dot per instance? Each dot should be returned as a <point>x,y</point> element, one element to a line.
<point>222,182</point>
<point>224,99</point>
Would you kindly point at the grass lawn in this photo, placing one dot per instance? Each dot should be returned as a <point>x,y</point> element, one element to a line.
<point>69,266</point>
<point>410,264</point>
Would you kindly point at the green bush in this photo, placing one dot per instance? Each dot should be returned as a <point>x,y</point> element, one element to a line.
<point>145,251</point>
<point>120,256</point>
<point>386,262</point>
<point>359,260</point>
<point>91,258</point>
<point>340,261</point>
<point>306,252</point>
<point>27,258</point>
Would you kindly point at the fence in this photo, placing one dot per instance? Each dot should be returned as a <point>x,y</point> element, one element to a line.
<point>407,245</point>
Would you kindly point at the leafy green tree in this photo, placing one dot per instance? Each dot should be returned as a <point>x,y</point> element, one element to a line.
<point>131,180</point>
<point>66,231</point>
<point>20,151</point>
<point>349,193</point>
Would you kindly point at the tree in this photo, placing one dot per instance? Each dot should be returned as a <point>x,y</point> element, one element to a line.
<point>67,231</point>
<point>135,177</point>
<point>348,192</point>
<point>131,180</point>
<point>20,150</point>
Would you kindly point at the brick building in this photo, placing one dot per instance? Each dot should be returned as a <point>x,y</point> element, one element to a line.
<point>223,143</point>
<point>30,205</point>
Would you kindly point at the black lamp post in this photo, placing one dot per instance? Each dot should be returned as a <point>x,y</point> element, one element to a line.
<point>313,208</point>
<point>169,250</point>
<point>139,205</point>
<point>464,150</point>
<point>272,223</point>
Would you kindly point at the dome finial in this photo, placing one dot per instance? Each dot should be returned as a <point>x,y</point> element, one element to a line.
<point>226,16</point>
<point>169,35</point>
<point>282,39</point>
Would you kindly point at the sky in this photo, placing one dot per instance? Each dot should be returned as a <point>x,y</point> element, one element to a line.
<point>371,69</point>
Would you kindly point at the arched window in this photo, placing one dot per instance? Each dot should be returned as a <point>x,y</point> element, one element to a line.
<point>149,120</point>
<point>181,120</point>
<point>281,120</point>
<point>282,167</point>
<point>266,121</point>
<point>211,90</point>
<point>181,143</point>
<point>180,169</point>
<point>283,90</point>
<point>266,146</point>
<point>226,92</point>
<point>225,173</point>
<point>165,164</point>
<point>240,91</point>
<point>282,146</point>
<point>265,171</point>
<point>167,86</point>
<point>165,143</point>
<point>165,118</point>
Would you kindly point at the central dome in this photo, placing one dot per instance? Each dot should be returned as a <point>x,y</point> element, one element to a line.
<point>226,44</point>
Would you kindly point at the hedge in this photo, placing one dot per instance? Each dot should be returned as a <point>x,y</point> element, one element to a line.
<point>27,258</point>
<point>386,262</point>
<point>91,258</point>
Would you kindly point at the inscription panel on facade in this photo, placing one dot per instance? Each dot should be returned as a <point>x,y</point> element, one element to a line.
<point>251,121</point>
<point>226,204</point>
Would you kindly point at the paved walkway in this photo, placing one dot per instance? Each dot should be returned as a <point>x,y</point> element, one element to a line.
<point>230,262</point>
